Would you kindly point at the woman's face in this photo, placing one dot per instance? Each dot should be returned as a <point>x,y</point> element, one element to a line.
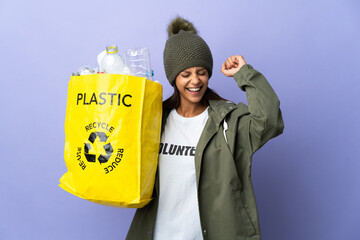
<point>192,84</point>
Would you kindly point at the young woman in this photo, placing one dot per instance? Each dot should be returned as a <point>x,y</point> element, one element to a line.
<point>203,187</point>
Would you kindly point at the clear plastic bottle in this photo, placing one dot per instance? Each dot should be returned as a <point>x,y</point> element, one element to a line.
<point>138,61</point>
<point>112,61</point>
<point>85,71</point>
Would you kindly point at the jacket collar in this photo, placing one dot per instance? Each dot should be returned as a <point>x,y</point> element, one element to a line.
<point>218,110</point>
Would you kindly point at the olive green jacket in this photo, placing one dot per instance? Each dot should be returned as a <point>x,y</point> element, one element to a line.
<point>223,161</point>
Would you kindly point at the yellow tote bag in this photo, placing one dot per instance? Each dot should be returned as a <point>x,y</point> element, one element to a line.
<point>112,136</point>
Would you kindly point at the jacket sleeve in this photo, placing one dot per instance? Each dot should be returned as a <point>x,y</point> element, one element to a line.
<point>265,119</point>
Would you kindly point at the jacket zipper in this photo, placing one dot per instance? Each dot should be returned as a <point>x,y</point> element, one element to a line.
<point>225,125</point>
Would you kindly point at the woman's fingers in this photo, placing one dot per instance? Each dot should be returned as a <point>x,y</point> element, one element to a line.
<point>229,63</point>
<point>232,65</point>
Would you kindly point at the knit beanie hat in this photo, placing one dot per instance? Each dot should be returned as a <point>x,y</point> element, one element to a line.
<point>185,49</point>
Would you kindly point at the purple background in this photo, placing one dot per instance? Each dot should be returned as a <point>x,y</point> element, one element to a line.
<point>306,181</point>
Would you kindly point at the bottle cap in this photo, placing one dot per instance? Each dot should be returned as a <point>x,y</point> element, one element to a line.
<point>111,48</point>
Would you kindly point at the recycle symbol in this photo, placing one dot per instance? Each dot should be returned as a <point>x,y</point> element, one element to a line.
<point>104,151</point>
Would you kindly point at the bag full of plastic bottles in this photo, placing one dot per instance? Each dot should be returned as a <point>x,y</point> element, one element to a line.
<point>112,134</point>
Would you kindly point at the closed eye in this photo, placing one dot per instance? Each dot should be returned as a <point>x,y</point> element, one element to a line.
<point>185,75</point>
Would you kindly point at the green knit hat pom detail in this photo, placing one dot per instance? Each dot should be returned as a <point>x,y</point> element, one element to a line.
<point>178,24</point>
<point>184,49</point>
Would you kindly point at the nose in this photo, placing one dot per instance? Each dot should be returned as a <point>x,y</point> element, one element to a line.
<point>195,78</point>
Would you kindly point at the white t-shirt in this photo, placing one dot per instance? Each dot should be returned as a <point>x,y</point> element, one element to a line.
<point>178,212</point>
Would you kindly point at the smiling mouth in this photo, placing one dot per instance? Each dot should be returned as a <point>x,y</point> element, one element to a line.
<point>194,89</point>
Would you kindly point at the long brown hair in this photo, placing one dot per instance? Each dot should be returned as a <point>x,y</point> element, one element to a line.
<point>174,100</point>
